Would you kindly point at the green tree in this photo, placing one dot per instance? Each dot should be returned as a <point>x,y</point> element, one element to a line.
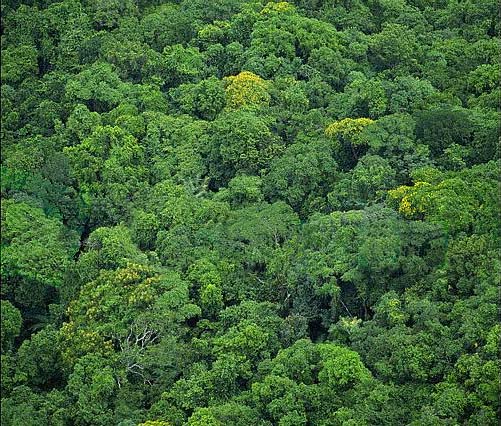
<point>36,253</point>
<point>441,128</point>
<point>108,166</point>
<point>179,65</point>
<point>302,175</point>
<point>18,63</point>
<point>242,190</point>
<point>166,25</point>
<point>92,386</point>
<point>204,100</point>
<point>394,47</point>
<point>11,324</point>
<point>38,361</point>
<point>239,141</point>
<point>98,86</point>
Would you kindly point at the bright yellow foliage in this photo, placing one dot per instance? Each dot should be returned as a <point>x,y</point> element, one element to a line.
<point>411,200</point>
<point>348,128</point>
<point>282,6</point>
<point>454,203</point>
<point>246,89</point>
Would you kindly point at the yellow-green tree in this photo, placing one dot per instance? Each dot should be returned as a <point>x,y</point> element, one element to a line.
<point>279,7</point>
<point>246,90</point>
<point>347,133</point>
<point>459,202</point>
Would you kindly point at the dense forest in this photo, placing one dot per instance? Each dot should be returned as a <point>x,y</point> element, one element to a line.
<point>250,213</point>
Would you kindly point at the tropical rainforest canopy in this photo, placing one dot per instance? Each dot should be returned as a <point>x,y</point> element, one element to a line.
<point>250,213</point>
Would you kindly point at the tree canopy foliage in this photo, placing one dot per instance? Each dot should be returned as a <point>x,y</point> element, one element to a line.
<point>250,212</point>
